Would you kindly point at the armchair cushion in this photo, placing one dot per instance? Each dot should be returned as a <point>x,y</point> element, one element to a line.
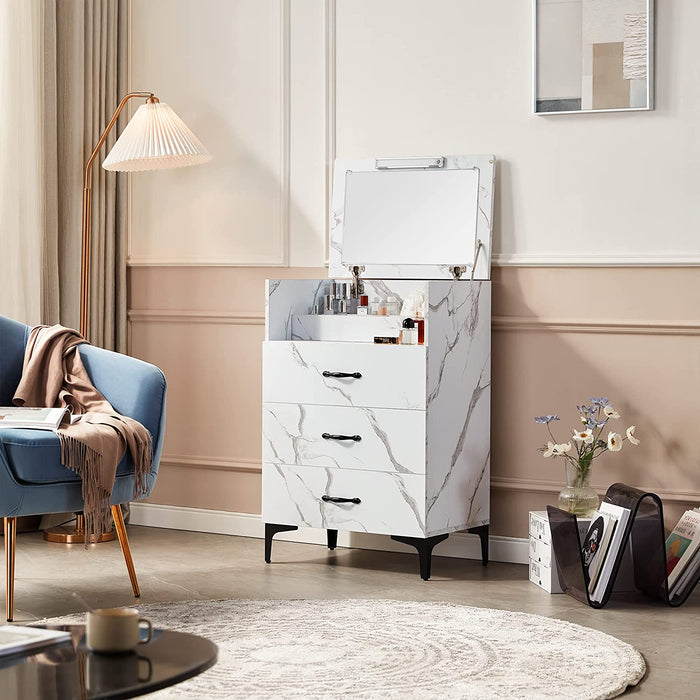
<point>34,457</point>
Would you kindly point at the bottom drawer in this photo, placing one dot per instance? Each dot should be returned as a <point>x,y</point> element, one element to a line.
<point>389,503</point>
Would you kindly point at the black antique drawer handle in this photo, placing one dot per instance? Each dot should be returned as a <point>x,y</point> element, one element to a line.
<point>354,438</point>
<point>338,375</point>
<point>334,499</point>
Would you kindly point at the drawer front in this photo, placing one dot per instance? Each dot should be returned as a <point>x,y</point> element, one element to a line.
<point>545,577</point>
<point>390,504</point>
<point>390,440</point>
<point>540,552</point>
<point>391,376</point>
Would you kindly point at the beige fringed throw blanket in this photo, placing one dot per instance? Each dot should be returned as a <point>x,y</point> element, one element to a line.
<point>53,375</point>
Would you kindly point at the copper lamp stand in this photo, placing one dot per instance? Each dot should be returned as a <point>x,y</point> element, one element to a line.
<point>75,534</point>
<point>67,534</point>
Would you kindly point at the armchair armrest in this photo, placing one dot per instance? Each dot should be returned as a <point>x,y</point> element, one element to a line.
<point>135,389</point>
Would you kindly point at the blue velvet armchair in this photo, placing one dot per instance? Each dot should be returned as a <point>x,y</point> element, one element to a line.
<point>32,479</point>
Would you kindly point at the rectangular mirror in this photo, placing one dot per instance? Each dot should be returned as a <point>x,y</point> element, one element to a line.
<point>592,55</point>
<point>408,217</point>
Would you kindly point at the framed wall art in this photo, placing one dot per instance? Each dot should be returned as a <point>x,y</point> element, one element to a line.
<point>592,55</point>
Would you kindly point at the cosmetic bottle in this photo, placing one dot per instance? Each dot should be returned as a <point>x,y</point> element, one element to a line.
<point>350,300</point>
<point>409,334</point>
<point>328,305</point>
<point>392,306</point>
<point>374,307</point>
<point>363,305</point>
<point>343,307</point>
<point>381,308</point>
<point>420,326</point>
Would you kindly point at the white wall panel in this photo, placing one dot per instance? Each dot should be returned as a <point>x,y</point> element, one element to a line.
<point>222,65</point>
<point>454,76</point>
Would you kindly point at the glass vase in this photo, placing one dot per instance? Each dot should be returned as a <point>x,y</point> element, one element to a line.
<point>578,497</point>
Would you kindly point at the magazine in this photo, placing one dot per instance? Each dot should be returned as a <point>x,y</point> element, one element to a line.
<point>34,418</point>
<point>15,639</point>
<point>686,579</point>
<point>681,545</point>
<point>621,515</point>
<point>595,546</point>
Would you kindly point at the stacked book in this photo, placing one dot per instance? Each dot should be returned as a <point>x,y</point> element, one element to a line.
<point>683,554</point>
<point>601,546</point>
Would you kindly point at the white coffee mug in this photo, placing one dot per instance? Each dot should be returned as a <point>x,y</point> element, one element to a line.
<point>113,630</point>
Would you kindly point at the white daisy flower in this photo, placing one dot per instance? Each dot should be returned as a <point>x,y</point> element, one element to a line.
<point>610,412</point>
<point>563,448</point>
<point>630,435</point>
<point>550,449</point>
<point>584,436</point>
<point>614,441</point>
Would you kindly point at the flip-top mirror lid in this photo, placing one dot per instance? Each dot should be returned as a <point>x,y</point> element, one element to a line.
<point>412,218</point>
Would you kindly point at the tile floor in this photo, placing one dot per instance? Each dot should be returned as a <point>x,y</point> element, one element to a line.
<point>174,565</point>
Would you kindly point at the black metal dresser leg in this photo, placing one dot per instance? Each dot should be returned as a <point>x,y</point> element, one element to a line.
<point>483,532</point>
<point>425,546</point>
<point>332,539</point>
<point>271,529</point>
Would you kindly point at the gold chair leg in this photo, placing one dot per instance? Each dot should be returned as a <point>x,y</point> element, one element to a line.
<point>124,542</point>
<point>10,531</point>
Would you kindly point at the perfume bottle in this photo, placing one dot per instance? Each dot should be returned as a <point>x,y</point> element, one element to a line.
<point>328,308</point>
<point>374,307</point>
<point>392,306</point>
<point>409,333</point>
<point>420,325</point>
<point>363,305</point>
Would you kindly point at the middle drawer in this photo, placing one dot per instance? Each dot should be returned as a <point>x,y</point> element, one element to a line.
<point>377,439</point>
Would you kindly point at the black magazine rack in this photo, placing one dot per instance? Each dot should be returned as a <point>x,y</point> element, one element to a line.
<point>645,533</point>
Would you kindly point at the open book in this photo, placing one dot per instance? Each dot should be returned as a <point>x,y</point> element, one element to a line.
<point>36,418</point>
<point>15,639</point>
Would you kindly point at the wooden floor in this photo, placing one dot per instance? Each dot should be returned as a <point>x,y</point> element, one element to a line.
<point>173,565</point>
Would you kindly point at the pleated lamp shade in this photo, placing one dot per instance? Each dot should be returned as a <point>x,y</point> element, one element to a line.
<point>155,138</point>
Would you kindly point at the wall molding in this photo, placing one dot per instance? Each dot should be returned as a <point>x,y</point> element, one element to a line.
<point>499,323</point>
<point>615,327</point>
<point>219,464</point>
<point>330,112</point>
<point>684,496</point>
<point>237,318</point>
<point>661,258</point>
<point>282,259</point>
<point>459,545</point>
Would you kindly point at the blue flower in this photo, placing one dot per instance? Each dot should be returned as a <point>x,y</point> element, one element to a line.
<point>602,423</point>
<point>590,424</point>
<point>602,402</point>
<point>546,419</point>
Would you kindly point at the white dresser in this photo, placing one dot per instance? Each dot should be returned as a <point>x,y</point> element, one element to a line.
<point>385,439</point>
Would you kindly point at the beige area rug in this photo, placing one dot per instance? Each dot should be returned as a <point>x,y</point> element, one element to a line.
<point>391,649</point>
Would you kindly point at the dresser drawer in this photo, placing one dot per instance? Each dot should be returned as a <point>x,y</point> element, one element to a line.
<point>391,376</point>
<point>384,439</point>
<point>390,504</point>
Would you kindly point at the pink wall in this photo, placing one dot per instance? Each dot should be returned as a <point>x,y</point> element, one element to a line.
<point>560,335</point>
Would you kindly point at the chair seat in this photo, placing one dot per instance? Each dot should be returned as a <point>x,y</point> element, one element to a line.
<point>35,457</point>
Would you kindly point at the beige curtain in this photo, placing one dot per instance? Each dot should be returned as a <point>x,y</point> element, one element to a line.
<point>62,74</point>
<point>25,198</point>
<point>90,79</point>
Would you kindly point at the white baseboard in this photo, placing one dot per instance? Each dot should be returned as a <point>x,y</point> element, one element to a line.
<point>460,545</point>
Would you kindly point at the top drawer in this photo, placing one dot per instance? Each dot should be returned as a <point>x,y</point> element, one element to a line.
<point>390,376</point>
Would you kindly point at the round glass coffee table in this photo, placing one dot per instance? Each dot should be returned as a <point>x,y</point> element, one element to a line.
<point>69,670</point>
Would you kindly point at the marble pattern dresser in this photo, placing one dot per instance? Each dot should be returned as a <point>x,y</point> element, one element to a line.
<point>384,439</point>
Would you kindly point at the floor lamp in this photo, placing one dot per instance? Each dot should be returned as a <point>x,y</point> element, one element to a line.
<point>154,139</point>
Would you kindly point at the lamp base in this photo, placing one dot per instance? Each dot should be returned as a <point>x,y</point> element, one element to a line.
<point>75,534</point>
